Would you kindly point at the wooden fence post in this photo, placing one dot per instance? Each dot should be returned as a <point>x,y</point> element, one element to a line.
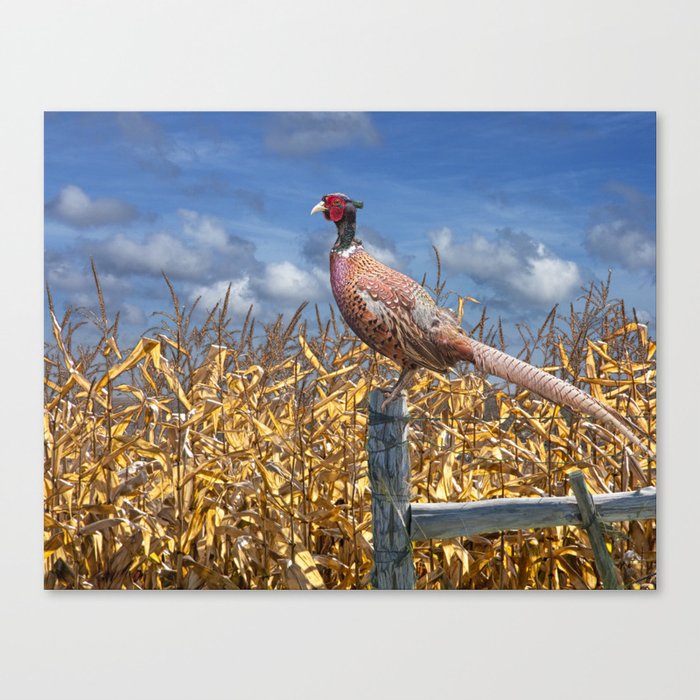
<point>593,525</point>
<point>389,475</point>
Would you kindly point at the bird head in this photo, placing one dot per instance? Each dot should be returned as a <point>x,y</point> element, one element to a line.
<point>337,206</point>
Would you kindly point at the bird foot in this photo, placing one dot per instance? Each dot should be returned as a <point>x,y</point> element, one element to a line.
<point>391,396</point>
<point>404,379</point>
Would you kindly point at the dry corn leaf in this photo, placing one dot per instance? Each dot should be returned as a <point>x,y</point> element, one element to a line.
<point>103,524</point>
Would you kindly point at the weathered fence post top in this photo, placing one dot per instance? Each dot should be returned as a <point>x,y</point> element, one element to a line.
<point>390,479</point>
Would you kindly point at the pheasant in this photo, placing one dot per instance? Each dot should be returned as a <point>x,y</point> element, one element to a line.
<point>395,316</point>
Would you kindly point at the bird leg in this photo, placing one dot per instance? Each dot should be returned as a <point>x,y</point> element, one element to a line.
<point>404,379</point>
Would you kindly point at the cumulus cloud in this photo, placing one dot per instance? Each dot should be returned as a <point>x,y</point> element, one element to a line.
<point>200,257</point>
<point>303,133</point>
<point>204,252</point>
<point>278,288</point>
<point>513,264</point>
<point>204,229</point>
<point>72,206</point>
<point>623,243</point>
<point>286,283</point>
<point>156,253</point>
<point>623,231</point>
<point>240,299</point>
<point>76,283</point>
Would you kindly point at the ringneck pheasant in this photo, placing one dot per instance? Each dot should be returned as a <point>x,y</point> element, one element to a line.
<point>395,316</point>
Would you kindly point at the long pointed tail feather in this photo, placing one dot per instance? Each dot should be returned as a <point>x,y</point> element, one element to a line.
<point>492,361</point>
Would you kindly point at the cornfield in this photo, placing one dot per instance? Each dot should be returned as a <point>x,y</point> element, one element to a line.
<point>207,456</point>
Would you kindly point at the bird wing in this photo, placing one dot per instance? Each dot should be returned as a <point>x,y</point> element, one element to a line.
<point>409,312</point>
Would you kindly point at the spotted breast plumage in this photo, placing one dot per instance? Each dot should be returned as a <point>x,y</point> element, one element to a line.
<point>395,316</point>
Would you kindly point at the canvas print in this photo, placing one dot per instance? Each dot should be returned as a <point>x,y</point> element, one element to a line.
<point>350,351</point>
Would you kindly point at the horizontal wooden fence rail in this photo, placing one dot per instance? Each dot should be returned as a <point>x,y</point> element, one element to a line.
<point>396,522</point>
<point>445,520</point>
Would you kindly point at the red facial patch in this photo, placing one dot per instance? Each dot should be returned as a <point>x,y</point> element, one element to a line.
<point>336,208</point>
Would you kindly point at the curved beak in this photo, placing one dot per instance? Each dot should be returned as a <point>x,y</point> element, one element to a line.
<point>319,207</point>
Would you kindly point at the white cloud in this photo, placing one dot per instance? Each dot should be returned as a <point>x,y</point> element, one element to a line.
<point>202,252</point>
<point>62,273</point>
<point>201,259</point>
<point>289,284</point>
<point>621,242</point>
<point>157,252</point>
<point>204,229</point>
<point>515,265</point>
<point>239,301</point>
<point>301,133</point>
<point>279,289</point>
<point>76,284</point>
<point>623,230</point>
<point>74,207</point>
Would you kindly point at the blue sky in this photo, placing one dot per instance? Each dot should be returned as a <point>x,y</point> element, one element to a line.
<point>525,208</point>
